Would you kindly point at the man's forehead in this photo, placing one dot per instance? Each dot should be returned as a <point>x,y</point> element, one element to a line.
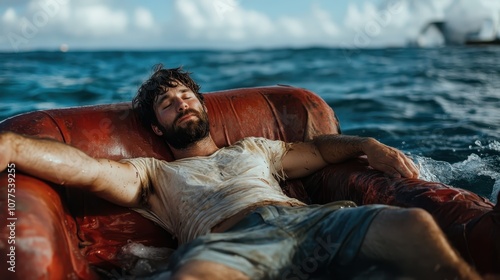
<point>165,90</point>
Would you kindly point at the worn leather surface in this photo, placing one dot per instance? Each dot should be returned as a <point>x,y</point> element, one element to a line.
<point>45,245</point>
<point>86,230</point>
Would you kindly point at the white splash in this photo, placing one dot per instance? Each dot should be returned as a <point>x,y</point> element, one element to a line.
<point>468,170</point>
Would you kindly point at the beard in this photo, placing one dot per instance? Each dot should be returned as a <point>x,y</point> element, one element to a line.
<point>193,131</point>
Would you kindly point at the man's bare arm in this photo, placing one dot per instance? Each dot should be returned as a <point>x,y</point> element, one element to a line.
<point>62,164</point>
<point>303,159</point>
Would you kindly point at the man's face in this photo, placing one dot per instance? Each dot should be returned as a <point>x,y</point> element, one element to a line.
<point>181,116</point>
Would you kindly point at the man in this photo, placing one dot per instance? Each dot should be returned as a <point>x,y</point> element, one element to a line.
<point>225,205</point>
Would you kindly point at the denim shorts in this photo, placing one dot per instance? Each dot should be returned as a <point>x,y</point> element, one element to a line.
<point>280,242</point>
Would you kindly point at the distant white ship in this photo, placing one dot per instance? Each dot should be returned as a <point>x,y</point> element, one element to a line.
<point>486,34</point>
<point>456,22</point>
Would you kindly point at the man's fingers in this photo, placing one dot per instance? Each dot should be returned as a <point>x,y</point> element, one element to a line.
<point>413,170</point>
<point>403,167</point>
<point>393,169</point>
<point>406,172</point>
<point>392,162</point>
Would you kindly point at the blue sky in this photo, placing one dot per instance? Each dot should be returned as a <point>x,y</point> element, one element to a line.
<point>230,24</point>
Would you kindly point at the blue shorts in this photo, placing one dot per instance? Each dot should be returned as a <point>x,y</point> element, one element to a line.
<point>280,242</point>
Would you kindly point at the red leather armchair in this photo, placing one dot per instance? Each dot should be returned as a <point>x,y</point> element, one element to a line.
<point>65,233</point>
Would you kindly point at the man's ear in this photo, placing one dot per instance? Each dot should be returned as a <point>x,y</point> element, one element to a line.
<point>156,130</point>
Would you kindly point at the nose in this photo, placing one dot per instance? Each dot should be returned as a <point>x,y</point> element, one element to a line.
<point>182,105</point>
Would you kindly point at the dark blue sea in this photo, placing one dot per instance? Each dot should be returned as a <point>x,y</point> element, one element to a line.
<point>440,106</point>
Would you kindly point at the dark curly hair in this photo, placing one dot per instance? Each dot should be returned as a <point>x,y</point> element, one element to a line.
<point>161,78</point>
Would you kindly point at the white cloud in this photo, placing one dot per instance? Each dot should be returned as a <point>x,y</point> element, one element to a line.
<point>394,23</point>
<point>9,16</point>
<point>191,15</point>
<point>220,20</point>
<point>462,21</point>
<point>324,21</point>
<point>356,18</point>
<point>97,21</point>
<point>227,23</point>
<point>143,18</point>
<point>50,23</point>
<point>292,27</point>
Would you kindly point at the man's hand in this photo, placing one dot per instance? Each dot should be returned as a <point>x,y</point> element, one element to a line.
<point>389,160</point>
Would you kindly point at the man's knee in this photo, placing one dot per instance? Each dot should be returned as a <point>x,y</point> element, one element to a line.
<point>402,229</point>
<point>416,220</point>
<point>411,220</point>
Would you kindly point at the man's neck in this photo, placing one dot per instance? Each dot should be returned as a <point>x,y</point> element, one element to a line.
<point>204,147</point>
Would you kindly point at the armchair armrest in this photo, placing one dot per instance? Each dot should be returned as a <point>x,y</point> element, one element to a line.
<point>471,222</point>
<point>37,233</point>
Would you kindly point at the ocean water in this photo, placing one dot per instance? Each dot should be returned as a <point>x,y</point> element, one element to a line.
<point>440,106</point>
